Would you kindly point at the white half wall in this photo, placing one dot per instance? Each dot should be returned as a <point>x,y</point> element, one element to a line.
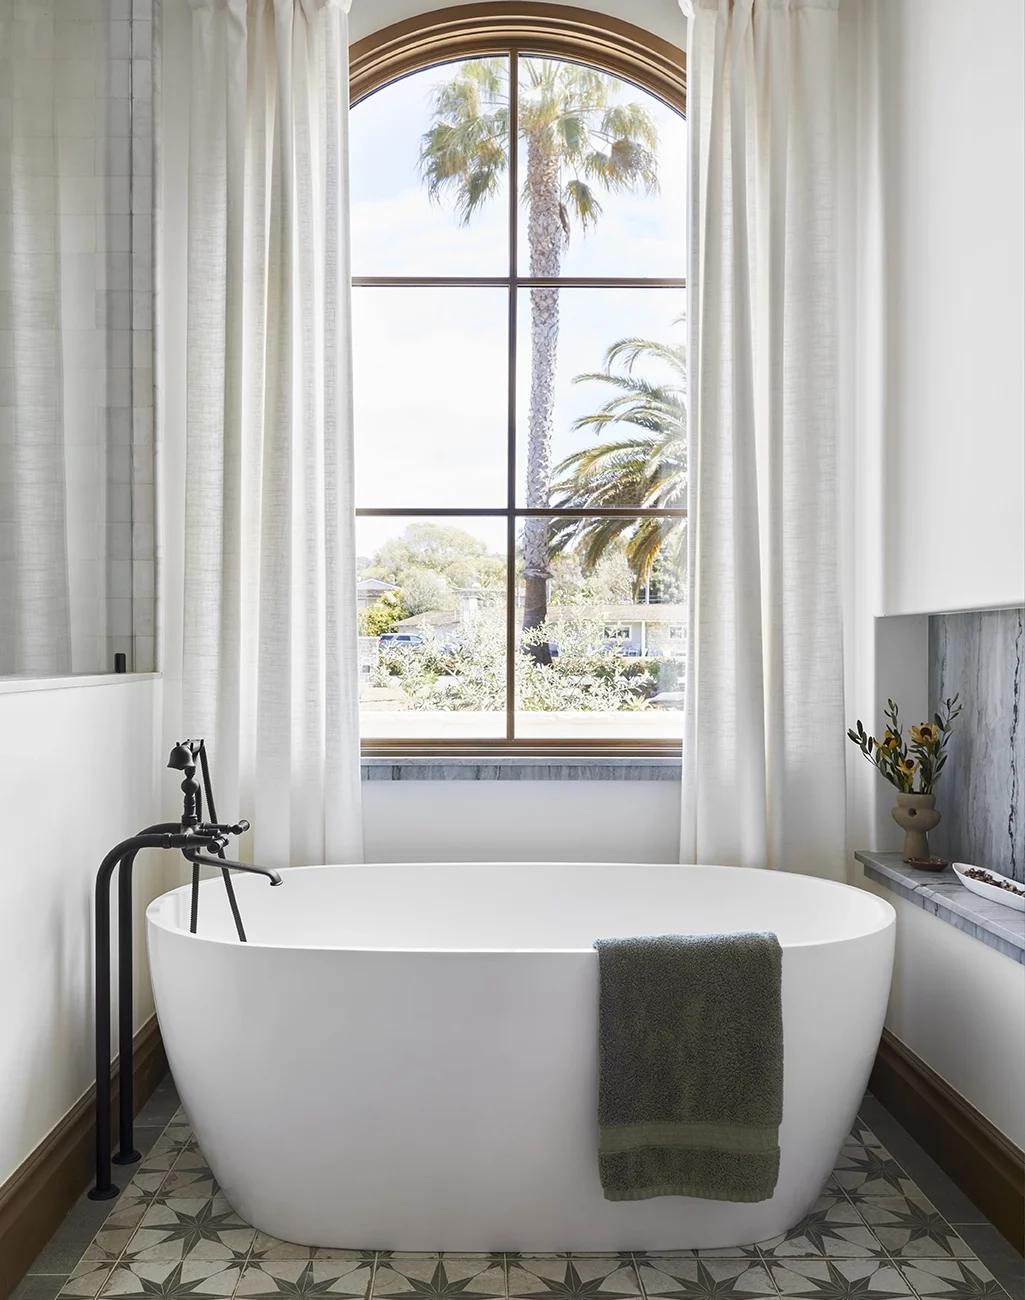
<point>80,771</point>
<point>961,1007</point>
<point>521,821</point>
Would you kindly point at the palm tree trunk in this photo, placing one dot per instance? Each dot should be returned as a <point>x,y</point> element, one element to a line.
<point>545,236</point>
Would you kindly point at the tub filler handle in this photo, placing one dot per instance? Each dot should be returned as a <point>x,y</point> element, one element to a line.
<point>202,844</point>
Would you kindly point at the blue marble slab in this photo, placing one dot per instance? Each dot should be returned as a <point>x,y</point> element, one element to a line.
<point>980,656</point>
<point>521,769</point>
<point>943,895</point>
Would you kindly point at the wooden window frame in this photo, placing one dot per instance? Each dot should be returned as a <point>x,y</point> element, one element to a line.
<point>553,31</point>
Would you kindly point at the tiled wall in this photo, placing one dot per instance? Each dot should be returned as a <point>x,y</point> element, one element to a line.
<point>981,793</point>
<point>76,334</point>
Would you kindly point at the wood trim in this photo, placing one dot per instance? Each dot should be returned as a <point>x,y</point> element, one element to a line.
<point>561,31</point>
<point>985,1164</point>
<point>37,1196</point>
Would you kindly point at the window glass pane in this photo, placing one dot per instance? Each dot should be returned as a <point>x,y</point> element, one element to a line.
<point>608,659</point>
<point>602,170</point>
<point>445,129</point>
<point>431,597</point>
<point>600,398</point>
<point>430,397</point>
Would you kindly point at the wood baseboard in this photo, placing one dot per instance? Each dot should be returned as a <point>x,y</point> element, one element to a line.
<point>986,1165</point>
<point>37,1196</point>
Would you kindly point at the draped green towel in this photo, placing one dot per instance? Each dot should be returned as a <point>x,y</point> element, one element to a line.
<point>690,1066</point>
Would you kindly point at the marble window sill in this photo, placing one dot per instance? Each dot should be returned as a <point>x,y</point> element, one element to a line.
<point>943,895</point>
<point>521,769</point>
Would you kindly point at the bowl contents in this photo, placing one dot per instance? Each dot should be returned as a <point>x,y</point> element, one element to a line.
<point>997,882</point>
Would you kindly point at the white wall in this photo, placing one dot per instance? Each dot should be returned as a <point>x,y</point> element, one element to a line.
<point>952,89</point>
<point>531,821</point>
<point>663,17</point>
<point>79,771</point>
<point>931,421</point>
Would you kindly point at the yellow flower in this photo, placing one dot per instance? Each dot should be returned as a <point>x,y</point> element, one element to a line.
<point>906,766</point>
<point>889,741</point>
<point>926,734</point>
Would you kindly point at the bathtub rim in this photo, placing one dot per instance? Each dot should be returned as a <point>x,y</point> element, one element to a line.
<point>157,912</point>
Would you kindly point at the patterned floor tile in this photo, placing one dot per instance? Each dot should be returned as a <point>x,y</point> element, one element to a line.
<point>87,1278</point>
<point>863,1170</point>
<point>911,1227</point>
<point>839,1279</point>
<point>190,1176</point>
<point>958,1279</point>
<point>439,1277</point>
<point>576,1278</point>
<point>267,1247</point>
<point>684,1277</point>
<point>834,1228</point>
<point>173,1279</point>
<point>173,1142</point>
<point>295,1279</point>
<point>184,1227</point>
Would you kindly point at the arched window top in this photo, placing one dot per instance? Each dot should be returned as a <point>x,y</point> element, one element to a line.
<point>556,31</point>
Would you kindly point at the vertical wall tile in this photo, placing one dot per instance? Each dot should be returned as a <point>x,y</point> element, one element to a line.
<point>980,656</point>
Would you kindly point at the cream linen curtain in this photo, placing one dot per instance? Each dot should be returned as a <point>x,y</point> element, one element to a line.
<point>270,673</point>
<point>763,781</point>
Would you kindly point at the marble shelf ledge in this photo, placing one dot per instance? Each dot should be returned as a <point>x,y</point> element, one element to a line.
<point>521,769</point>
<point>943,895</point>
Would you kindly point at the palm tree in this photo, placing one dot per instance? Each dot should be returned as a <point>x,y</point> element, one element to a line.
<point>577,141</point>
<point>642,462</point>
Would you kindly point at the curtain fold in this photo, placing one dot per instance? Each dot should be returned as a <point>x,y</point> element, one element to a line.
<point>270,676</point>
<point>763,760</point>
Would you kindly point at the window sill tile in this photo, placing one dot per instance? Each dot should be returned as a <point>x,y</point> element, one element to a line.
<point>521,769</point>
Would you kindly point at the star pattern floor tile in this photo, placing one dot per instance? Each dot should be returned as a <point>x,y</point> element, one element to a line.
<point>872,1235</point>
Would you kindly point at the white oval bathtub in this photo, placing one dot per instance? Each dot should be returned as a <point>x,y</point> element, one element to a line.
<point>404,1057</point>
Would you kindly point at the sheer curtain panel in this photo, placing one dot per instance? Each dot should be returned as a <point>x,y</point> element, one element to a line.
<point>270,673</point>
<point>763,781</point>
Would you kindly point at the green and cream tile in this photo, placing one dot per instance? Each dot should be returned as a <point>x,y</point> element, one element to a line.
<point>832,1229</point>
<point>839,1279</point>
<point>577,1277</point>
<point>191,1227</point>
<point>439,1277</point>
<point>305,1279</point>
<point>952,1279</point>
<point>172,1279</point>
<point>911,1227</point>
<point>692,1277</point>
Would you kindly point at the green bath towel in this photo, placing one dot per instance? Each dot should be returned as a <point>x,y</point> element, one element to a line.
<point>690,1066</point>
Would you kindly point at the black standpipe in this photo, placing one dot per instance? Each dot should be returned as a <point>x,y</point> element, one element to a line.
<point>202,844</point>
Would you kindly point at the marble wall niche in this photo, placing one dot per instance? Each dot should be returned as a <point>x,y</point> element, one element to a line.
<point>981,656</point>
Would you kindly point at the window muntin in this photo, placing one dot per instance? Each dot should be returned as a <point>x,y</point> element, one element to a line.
<point>428,454</point>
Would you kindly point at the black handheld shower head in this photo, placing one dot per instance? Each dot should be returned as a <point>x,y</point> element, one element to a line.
<point>182,757</point>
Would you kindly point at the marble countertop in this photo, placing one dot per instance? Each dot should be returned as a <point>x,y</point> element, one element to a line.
<point>942,894</point>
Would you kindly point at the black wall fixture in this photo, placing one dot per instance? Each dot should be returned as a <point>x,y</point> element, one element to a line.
<point>202,843</point>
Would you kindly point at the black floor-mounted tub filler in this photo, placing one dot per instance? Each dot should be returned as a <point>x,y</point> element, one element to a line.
<point>202,843</point>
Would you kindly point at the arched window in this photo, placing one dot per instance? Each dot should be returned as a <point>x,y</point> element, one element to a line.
<point>518,213</point>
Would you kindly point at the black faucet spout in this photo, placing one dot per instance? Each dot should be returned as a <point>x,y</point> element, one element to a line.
<point>205,860</point>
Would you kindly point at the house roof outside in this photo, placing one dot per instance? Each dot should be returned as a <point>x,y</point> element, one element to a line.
<point>366,586</point>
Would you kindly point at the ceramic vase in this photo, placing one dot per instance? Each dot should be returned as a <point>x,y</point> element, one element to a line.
<point>916,815</point>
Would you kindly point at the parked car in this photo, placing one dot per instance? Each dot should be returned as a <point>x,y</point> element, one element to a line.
<point>667,700</point>
<point>387,640</point>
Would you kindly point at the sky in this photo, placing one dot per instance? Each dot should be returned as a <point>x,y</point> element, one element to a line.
<point>431,364</point>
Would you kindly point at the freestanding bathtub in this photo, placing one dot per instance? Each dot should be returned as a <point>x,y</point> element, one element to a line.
<point>404,1056</point>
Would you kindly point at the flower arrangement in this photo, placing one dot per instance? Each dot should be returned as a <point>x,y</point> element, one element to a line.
<point>898,760</point>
